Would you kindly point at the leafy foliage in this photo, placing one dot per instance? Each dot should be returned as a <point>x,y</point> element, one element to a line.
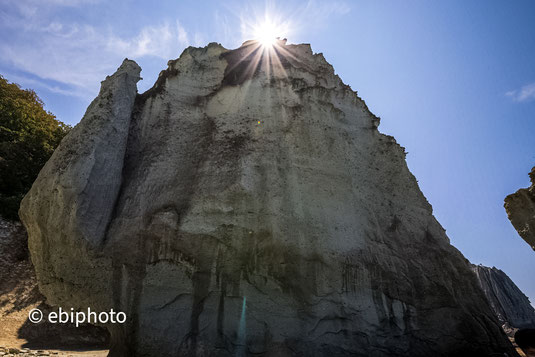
<point>28,137</point>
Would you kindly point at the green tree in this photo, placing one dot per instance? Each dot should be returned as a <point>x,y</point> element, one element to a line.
<point>28,136</point>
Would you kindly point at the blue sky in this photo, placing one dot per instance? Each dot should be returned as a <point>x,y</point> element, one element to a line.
<point>453,81</point>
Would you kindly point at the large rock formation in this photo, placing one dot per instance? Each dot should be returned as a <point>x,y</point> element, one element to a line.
<point>248,205</point>
<point>520,208</point>
<point>509,303</point>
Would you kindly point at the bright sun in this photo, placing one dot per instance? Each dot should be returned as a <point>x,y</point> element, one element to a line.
<point>266,33</point>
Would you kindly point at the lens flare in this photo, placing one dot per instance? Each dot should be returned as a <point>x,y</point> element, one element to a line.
<point>264,48</point>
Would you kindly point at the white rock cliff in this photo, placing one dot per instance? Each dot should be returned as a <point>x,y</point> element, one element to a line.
<point>248,205</point>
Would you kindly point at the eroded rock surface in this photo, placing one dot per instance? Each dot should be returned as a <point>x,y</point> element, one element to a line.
<point>508,302</point>
<point>520,208</point>
<point>248,205</point>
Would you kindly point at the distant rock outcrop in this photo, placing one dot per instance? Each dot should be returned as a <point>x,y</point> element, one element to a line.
<point>510,305</point>
<point>248,205</point>
<point>520,208</point>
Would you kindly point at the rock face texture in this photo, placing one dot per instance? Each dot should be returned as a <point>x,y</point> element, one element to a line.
<point>520,208</point>
<point>510,305</point>
<point>248,205</point>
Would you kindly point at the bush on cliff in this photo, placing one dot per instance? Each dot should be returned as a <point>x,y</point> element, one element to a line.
<point>28,136</point>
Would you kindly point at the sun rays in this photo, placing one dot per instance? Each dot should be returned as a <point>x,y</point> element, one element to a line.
<point>264,49</point>
<point>265,27</point>
<point>263,55</point>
